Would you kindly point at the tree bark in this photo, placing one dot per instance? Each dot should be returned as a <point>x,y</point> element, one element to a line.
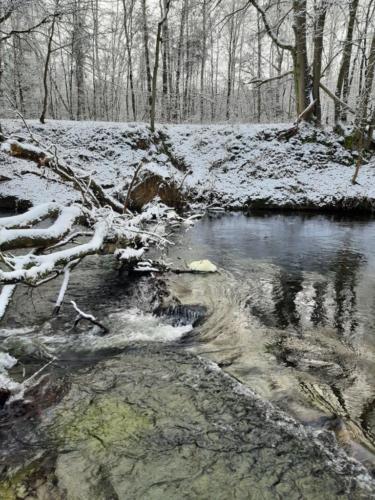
<point>156,65</point>
<point>343,77</point>
<point>301,73</point>
<point>317,61</point>
<point>46,67</point>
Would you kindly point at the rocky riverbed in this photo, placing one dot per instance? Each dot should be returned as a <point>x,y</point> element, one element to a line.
<point>156,422</point>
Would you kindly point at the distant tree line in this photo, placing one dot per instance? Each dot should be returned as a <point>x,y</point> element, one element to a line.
<point>190,60</point>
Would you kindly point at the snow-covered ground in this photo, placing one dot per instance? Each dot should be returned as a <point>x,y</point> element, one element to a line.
<point>235,165</point>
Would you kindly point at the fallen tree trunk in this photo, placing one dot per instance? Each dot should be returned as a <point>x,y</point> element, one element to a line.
<point>336,99</point>
<point>92,192</point>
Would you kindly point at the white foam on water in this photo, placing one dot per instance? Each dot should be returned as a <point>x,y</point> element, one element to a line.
<point>6,363</point>
<point>9,332</point>
<point>125,326</point>
<point>135,326</point>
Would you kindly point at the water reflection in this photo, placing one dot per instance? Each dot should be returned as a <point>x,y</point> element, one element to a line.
<point>319,312</point>
<point>292,313</point>
<point>346,268</point>
<point>286,289</point>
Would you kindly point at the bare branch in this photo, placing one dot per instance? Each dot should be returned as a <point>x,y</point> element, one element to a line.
<point>64,285</point>
<point>259,83</point>
<point>140,165</point>
<point>26,30</point>
<point>270,33</point>
<point>88,317</point>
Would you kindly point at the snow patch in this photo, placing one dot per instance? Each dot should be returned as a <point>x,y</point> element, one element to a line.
<point>6,383</point>
<point>129,253</point>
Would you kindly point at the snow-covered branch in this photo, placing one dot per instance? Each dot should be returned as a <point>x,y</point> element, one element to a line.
<point>110,232</point>
<point>32,216</point>
<point>87,317</point>
<point>23,238</point>
<point>36,267</point>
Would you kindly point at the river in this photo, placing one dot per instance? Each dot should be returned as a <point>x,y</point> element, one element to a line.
<point>292,312</point>
<point>143,413</point>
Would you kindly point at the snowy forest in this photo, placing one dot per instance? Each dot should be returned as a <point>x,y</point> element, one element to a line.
<point>201,61</point>
<point>187,232</point>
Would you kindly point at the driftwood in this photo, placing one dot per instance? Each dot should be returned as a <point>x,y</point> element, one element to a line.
<point>150,267</point>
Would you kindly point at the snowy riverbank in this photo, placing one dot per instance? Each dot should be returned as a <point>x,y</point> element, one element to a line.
<point>238,166</point>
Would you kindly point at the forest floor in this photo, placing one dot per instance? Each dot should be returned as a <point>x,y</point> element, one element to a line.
<point>233,166</point>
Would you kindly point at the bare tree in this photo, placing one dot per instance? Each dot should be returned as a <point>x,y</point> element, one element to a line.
<point>161,23</point>
<point>342,85</point>
<point>215,61</point>
<point>46,65</point>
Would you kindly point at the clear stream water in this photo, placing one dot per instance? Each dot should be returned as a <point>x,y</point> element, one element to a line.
<point>291,314</point>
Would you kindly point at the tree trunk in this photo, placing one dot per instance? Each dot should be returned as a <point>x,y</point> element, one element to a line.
<point>343,77</point>
<point>362,116</point>
<point>46,67</point>
<point>79,59</point>
<point>203,63</point>
<point>179,60</point>
<point>147,53</point>
<point>301,73</point>
<point>259,69</point>
<point>156,65</point>
<point>127,28</point>
<point>317,61</point>
<point>166,69</point>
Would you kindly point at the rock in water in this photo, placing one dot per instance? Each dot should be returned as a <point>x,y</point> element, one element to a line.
<point>203,266</point>
<point>159,423</point>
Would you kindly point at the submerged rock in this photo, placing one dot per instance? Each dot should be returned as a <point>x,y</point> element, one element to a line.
<point>183,314</point>
<point>158,423</point>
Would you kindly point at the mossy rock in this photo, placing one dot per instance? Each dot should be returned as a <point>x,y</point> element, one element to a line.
<point>99,424</point>
<point>23,483</point>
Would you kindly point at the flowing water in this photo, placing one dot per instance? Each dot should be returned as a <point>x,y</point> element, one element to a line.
<point>136,414</point>
<point>292,313</point>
